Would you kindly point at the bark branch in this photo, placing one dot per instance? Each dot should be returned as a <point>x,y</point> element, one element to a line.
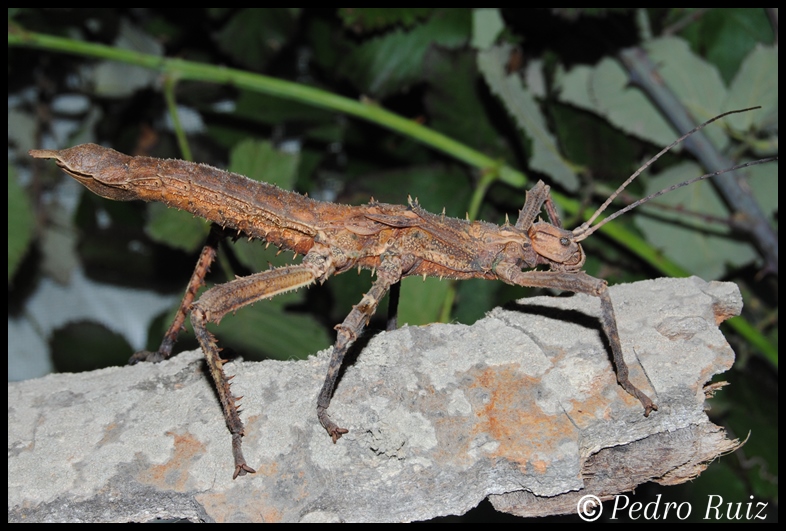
<point>522,407</point>
<point>643,72</point>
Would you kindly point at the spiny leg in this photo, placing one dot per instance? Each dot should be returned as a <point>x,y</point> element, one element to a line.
<point>609,322</point>
<point>536,196</point>
<point>580,282</point>
<point>212,306</point>
<point>388,274</point>
<point>551,211</point>
<point>197,281</point>
<point>228,400</point>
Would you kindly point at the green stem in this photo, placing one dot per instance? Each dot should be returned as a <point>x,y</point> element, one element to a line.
<point>171,103</point>
<point>484,183</point>
<point>182,69</point>
<point>755,338</point>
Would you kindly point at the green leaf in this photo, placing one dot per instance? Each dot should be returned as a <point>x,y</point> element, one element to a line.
<point>521,105</point>
<point>367,19</point>
<point>702,249</point>
<point>177,228</point>
<point>763,182</point>
<point>474,298</point>
<point>119,80</point>
<point>258,256</point>
<point>265,328</point>
<point>268,109</point>
<point>435,186</point>
<point>253,36</point>
<point>605,90</point>
<point>452,77</point>
<point>98,347</point>
<point>421,301</point>
<point>21,223</point>
<point>394,61</point>
<point>754,84</point>
<point>745,408</point>
<point>255,159</point>
<point>259,160</point>
<point>726,36</point>
<point>487,24</point>
<point>591,141</point>
<point>696,82</point>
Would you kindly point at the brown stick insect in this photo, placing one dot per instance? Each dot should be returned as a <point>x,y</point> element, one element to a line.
<point>395,241</point>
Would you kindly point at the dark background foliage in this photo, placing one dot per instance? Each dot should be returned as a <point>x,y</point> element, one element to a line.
<point>543,91</point>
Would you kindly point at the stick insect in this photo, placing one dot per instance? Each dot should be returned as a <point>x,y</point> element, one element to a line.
<point>394,241</point>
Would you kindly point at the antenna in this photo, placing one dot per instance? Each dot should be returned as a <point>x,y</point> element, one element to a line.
<point>583,231</point>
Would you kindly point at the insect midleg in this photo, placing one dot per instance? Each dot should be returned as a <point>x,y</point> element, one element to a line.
<point>388,274</point>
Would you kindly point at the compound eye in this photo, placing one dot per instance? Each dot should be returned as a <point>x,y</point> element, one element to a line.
<point>564,241</point>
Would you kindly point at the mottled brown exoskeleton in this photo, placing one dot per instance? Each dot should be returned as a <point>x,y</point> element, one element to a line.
<point>395,241</point>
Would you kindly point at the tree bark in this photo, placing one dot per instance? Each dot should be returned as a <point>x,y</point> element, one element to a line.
<point>522,407</point>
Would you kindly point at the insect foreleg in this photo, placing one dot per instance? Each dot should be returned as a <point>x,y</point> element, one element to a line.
<point>388,274</point>
<point>609,322</point>
<point>580,282</point>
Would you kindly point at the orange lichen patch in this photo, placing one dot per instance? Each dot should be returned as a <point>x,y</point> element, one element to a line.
<point>596,403</point>
<point>723,312</point>
<point>267,469</point>
<point>587,410</point>
<point>174,473</point>
<point>584,412</point>
<point>271,515</point>
<point>111,433</point>
<point>226,507</point>
<point>511,417</point>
